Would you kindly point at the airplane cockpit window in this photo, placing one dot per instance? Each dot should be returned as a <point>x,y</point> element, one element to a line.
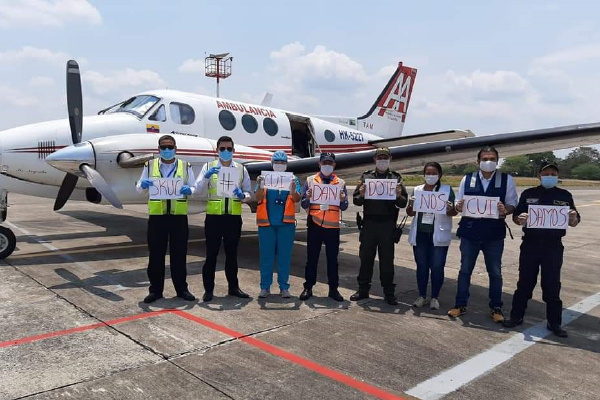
<point>138,105</point>
<point>182,113</point>
<point>159,115</point>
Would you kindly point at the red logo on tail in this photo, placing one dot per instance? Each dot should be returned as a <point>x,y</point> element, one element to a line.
<point>397,95</point>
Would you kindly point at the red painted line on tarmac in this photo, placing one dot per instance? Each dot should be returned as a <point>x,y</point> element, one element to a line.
<point>303,362</point>
<point>84,328</point>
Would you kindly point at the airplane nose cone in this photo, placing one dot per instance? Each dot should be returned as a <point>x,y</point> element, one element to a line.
<point>70,158</point>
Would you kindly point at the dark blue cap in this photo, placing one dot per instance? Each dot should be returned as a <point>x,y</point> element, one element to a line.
<point>327,157</point>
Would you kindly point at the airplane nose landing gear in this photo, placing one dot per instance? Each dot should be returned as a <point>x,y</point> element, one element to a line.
<point>8,241</point>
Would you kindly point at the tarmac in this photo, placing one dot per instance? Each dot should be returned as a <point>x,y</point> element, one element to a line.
<point>72,324</point>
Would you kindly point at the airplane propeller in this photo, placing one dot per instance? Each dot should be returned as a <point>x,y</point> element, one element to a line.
<point>75,108</point>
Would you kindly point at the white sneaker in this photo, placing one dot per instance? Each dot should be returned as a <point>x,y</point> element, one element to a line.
<point>420,302</point>
<point>285,294</point>
<point>435,304</point>
<point>264,293</point>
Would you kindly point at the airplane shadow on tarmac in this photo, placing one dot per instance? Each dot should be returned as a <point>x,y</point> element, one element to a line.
<point>135,229</point>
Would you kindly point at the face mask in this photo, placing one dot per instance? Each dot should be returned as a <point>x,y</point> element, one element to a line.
<point>549,181</point>
<point>279,167</point>
<point>167,154</point>
<point>488,166</point>
<point>382,165</point>
<point>431,179</point>
<point>225,155</point>
<point>327,170</point>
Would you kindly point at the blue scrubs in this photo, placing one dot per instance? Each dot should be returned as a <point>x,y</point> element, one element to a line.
<point>276,240</point>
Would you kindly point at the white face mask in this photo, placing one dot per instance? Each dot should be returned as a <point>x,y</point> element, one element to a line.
<point>279,167</point>
<point>327,170</point>
<point>431,179</point>
<point>382,165</point>
<point>488,166</point>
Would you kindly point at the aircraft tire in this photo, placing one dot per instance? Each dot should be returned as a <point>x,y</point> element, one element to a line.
<point>8,242</point>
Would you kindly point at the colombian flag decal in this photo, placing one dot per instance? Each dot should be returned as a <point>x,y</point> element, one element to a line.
<point>152,128</point>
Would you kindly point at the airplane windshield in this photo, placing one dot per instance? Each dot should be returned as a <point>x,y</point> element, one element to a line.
<point>138,105</point>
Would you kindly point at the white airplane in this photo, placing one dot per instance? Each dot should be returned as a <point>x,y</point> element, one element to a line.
<point>48,159</point>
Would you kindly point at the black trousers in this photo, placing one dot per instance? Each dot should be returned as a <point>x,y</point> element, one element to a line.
<point>316,236</point>
<point>217,229</point>
<point>377,237</point>
<point>547,254</point>
<point>166,230</point>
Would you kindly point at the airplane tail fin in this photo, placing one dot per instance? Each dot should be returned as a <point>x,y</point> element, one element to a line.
<point>387,115</point>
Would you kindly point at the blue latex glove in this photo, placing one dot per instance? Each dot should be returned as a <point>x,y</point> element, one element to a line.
<point>185,189</point>
<point>298,187</point>
<point>211,171</point>
<point>146,183</point>
<point>240,195</point>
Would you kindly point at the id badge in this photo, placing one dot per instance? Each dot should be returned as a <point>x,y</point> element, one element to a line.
<point>323,207</point>
<point>427,218</point>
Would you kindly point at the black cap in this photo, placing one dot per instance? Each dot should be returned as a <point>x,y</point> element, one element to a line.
<point>327,157</point>
<point>548,165</point>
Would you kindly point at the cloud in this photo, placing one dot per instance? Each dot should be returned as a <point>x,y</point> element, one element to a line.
<point>124,79</point>
<point>190,65</point>
<point>41,81</point>
<point>30,53</point>
<point>16,98</point>
<point>575,54</point>
<point>47,13</point>
<point>488,85</point>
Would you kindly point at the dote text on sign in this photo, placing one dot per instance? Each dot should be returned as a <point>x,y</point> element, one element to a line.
<point>380,189</point>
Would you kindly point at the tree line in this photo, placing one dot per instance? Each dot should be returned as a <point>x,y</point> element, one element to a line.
<point>580,163</point>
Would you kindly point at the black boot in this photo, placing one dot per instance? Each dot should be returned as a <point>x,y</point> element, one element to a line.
<point>359,296</point>
<point>152,297</point>
<point>208,296</point>
<point>557,330</point>
<point>238,293</point>
<point>187,296</point>
<point>511,323</point>
<point>334,294</point>
<point>306,294</point>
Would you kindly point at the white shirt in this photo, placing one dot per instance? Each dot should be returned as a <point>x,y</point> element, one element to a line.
<point>167,170</point>
<point>511,190</point>
<point>201,183</point>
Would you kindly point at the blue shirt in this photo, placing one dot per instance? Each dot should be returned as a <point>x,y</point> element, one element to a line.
<point>326,180</point>
<point>275,211</point>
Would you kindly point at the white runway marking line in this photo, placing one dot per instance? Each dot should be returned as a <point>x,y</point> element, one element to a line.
<point>462,374</point>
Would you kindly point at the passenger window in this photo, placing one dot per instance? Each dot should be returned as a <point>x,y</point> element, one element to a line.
<point>249,123</point>
<point>182,113</point>
<point>159,115</point>
<point>270,126</point>
<point>227,120</point>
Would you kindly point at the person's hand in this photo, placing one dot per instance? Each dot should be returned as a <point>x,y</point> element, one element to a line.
<point>211,172</point>
<point>146,183</point>
<point>363,189</point>
<point>399,187</point>
<point>501,209</point>
<point>343,196</point>
<point>260,181</point>
<point>295,185</point>
<point>238,193</point>
<point>573,221</point>
<point>523,218</point>
<point>449,207</point>
<point>309,193</point>
<point>459,205</point>
<point>185,189</point>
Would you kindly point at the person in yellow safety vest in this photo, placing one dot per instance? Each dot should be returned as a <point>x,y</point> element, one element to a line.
<point>323,227</point>
<point>276,220</point>
<point>168,221</point>
<point>223,221</point>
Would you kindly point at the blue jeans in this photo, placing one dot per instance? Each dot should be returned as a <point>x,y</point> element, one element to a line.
<point>429,257</point>
<point>492,253</point>
<point>272,241</point>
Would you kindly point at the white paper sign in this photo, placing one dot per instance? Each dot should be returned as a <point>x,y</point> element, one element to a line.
<point>165,189</point>
<point>277,180</point>
<point>430,202</point>
<point>548,217</point>
<point>326,194</point>
<point>380,189</point>
<point>229,179</point>
<point>481,207</point>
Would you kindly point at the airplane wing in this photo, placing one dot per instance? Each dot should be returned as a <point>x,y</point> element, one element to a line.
<point>422,138</point>
<point>412,157</point>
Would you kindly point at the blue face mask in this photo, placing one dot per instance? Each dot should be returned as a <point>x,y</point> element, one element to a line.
<point>167,154</point>
<point>225,155</point>
<point>549,181</point>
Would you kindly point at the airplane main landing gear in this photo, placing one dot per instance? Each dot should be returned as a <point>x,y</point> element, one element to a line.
<point>8,240</point>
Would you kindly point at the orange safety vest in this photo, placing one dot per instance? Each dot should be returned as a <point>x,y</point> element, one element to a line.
<point>329,218</point>
<point>289,212</point>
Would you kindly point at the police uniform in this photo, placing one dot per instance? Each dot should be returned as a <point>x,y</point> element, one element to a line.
<point>541,249</point>
<point>377,234</point>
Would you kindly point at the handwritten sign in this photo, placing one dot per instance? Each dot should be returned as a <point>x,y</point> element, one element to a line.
<point>481,207</point>
<point>548,217</point>
<point>380,189</point>
<point>229,179</point>
<point>165,189</point>
<point>277,180</point>
<point>326,194</point>
<point>430,202</point>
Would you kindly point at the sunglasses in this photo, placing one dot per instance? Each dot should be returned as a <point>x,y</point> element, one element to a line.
<point>166,147</point>
<point>225,148</point>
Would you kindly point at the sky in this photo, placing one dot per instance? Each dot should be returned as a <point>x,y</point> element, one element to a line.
<point>490,67</point>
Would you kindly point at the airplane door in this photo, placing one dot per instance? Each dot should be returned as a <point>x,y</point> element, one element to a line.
<point>304,143</point>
